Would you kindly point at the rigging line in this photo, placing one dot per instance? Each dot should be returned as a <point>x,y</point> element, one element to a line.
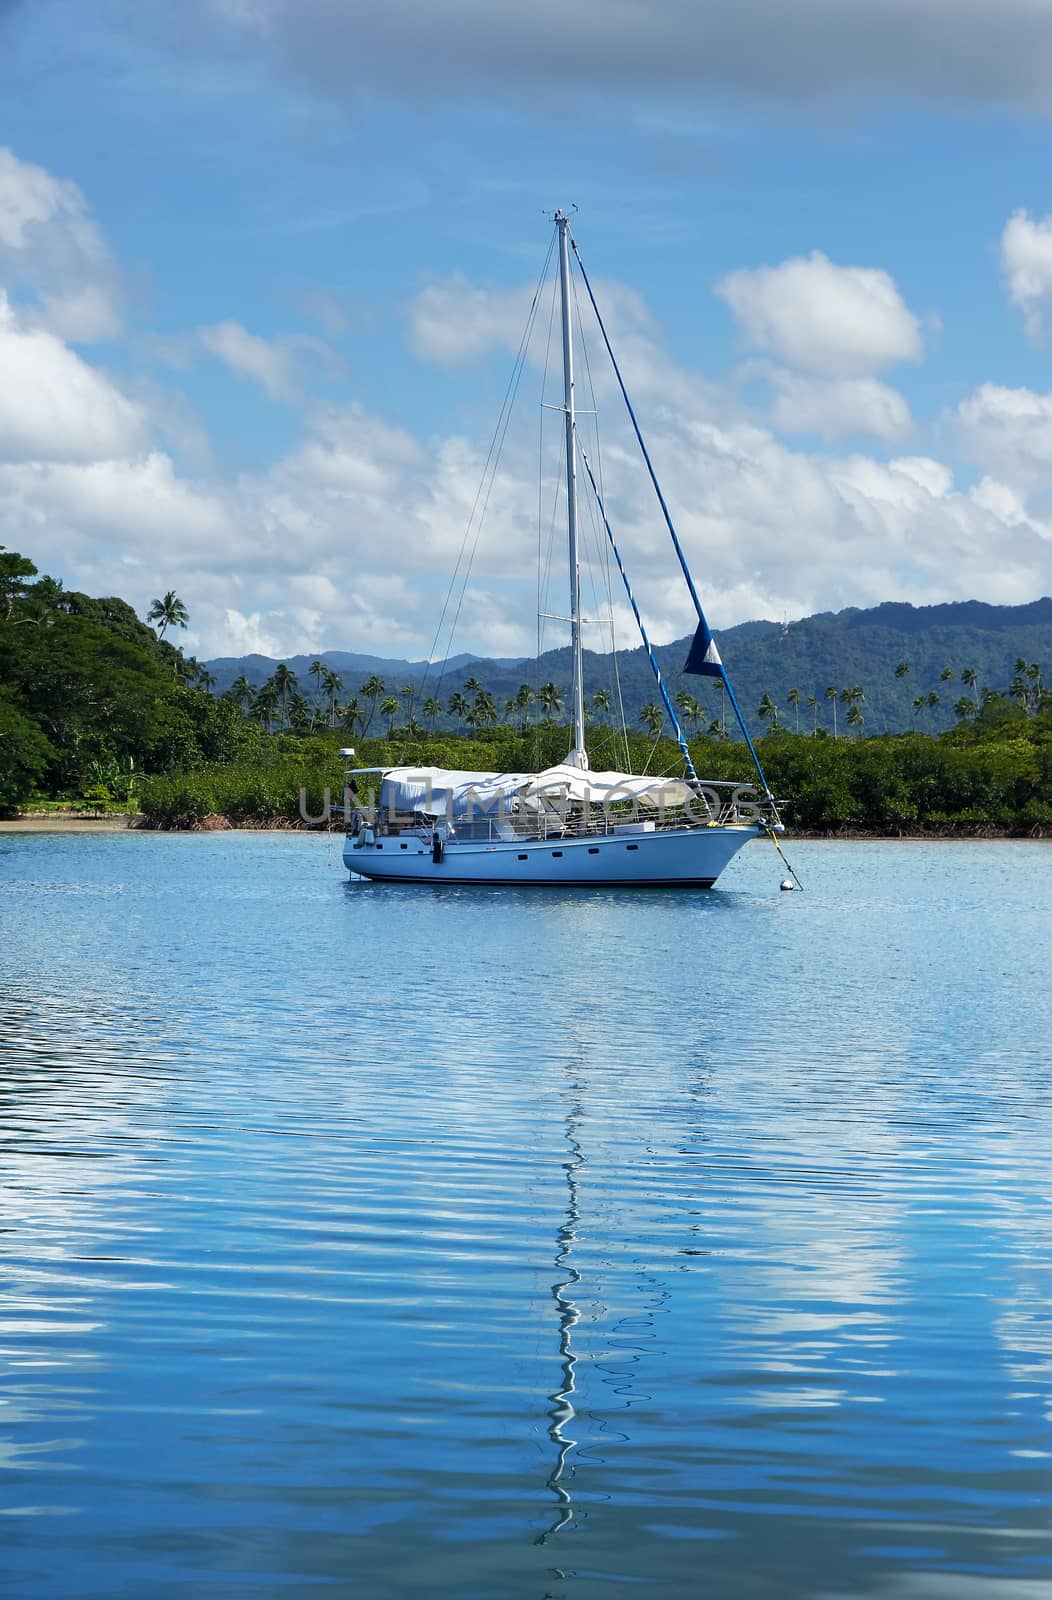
<point>666,513</point>
<point>605,558</point>
<point>680,740</point>
<point>650,757</point>
<point>591,386</point>
<point>601,549</point>
<point>482,514</point>
<point>541,605</point>
<point>508,402</point>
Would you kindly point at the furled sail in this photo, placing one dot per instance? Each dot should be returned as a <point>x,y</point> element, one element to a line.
<point>443,792</point>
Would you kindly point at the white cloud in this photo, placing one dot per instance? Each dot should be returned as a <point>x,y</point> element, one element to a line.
<point>119,516</point>
<point>823,318</point>
<point>972,53</point>
<point>53,252</point>
<point>348,540</point>
<point>835,408</point>
<point>328,311</point>
<point>54,406</point>
<point>1026,260</point>
<point>934,476</point>
<point>1007,505</point>
<point>282,366</point>
<point>454,321</point>
<point>1008,433</point>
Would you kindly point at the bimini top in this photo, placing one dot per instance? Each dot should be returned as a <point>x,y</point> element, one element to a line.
<point>441,791</point>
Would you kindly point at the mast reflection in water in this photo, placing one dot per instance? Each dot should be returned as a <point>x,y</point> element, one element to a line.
<point>563,1410</point>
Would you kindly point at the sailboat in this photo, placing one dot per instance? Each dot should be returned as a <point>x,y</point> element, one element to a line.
<point>567,826</point>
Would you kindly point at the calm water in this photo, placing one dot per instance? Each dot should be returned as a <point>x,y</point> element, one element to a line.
<point>388,1241</point>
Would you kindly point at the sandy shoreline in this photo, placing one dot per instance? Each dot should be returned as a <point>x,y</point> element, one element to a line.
<point>53,822</point>
<point>58,822</point>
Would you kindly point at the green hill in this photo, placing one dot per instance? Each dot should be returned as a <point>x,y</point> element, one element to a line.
<point>846,648</point>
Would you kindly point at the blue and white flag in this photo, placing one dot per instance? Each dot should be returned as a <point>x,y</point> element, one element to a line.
<point>704,659</point>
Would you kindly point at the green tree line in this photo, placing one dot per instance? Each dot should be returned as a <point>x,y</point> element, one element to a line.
<point>96,704</point>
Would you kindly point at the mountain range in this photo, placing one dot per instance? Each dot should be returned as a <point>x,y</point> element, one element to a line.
<point>854,647</point>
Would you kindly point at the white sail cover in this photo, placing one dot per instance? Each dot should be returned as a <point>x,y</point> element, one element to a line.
<point>606,788</point>
<point>441,791</point>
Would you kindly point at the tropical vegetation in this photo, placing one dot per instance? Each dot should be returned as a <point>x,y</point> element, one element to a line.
<point>98,707</point>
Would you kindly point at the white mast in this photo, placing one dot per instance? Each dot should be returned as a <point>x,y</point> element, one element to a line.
<point>578,756</point>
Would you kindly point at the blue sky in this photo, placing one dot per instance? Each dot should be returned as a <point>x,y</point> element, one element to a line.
<point>265,266</point>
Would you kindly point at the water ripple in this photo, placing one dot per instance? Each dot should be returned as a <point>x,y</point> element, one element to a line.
<point>523,1244</point>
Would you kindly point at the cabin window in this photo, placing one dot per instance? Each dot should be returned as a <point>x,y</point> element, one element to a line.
<point>524,858</point>
<point>403,847</point>
<point>556,852</point>
<point>632,847</point>
<point>593,849</point>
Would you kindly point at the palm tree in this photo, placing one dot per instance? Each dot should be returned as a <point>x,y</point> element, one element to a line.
<point>346,714</point>
<point>690,708</point>
<point>902,672</point>
<point>390,708</point>
<point>284,681</point>
<point>523,702</point>
<point>931,701</point>
<point>601,702</point>
<point>332,683</point>
<point>485,708</point>
<point>963,707</point>
<point>169,612</point>
<point>918,707</point>
<point>507,710</point>
<point>768,708</point>
<point>831,694</point>
<point>812,706</point>
<point>408,694</point>
<point>241,691</point>
<point>205,679</point>
<point>317,672</point>
<point>650,717</point>
<point>472,686</point>
<point>793,699</point>
<point>550,697</point>
<point>372,689</point>
<point>432,711</point>
<point>265,704</point>
<point>458,707</point>
<point>970,677</point>
<point>301,713</point>
<point>856,719</point>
